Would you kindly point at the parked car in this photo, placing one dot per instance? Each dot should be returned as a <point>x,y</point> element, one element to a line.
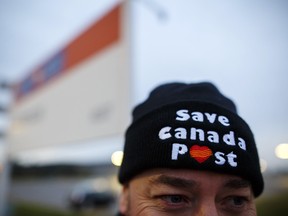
<point>92,193</point>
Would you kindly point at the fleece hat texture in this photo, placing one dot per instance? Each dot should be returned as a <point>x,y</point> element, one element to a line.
<point>190,126</point>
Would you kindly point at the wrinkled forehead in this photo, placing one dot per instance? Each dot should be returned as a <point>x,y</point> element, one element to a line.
<point>191,179</point>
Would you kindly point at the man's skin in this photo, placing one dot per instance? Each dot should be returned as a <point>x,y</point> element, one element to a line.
<point>166,192</point>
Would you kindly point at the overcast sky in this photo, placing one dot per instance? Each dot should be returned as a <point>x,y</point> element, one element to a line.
<point>241,46</point>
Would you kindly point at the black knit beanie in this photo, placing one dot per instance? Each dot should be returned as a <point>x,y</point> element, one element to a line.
<point>190,126</point>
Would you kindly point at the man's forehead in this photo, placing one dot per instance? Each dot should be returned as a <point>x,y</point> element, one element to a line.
<point>192,178</point>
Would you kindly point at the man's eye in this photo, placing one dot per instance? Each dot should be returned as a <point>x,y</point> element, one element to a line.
<point>236,202</point>
<point>173,199</point>
<point>239,201</point>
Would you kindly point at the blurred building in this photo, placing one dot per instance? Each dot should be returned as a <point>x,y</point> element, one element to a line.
<point>80,94</point>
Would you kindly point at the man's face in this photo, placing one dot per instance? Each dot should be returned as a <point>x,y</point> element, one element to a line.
<point>166,192</point>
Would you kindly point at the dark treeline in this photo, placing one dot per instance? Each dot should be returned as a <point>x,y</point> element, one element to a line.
<point>19,171</point>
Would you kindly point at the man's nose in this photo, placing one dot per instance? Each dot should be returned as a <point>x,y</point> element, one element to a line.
<point>208,209</point>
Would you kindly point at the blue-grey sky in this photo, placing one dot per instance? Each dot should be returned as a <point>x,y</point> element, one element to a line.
<point>241,46</point>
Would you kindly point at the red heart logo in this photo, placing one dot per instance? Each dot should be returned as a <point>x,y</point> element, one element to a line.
<point>200,153</point>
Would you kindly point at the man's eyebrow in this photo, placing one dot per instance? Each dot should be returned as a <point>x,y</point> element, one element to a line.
<point>174,181</point>
<point>237,183</point>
